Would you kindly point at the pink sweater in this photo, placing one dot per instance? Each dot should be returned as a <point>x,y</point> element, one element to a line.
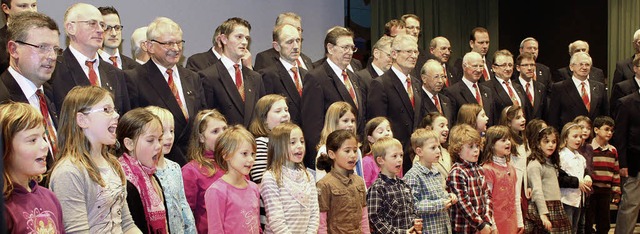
<point>371,169</point>
<point>196,184</point>
<point>233,210</point>
<point>502,183</point>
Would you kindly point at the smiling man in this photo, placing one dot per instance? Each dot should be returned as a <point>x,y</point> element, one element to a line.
<point>505,92</point>
<point>110,52</point>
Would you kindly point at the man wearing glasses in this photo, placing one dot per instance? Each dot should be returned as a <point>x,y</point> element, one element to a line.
<point>80,64</point>
<point>566,73</point>
<point>33,46</point>
<point>161,82</point>
<point>112,40</point>
<point>381,61</point>
<point>11,7</point>
<point>542,73</point>
<point>412,27</point>
<point>535,92</point>
<point>505,93</point>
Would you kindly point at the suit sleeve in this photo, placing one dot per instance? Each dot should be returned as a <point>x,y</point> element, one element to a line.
<point>554,111</point>
<point>618,74</point>
<point>621,134</point>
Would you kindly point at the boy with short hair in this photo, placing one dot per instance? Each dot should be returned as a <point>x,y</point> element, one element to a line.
<point>466,180</point>
<point>427,181</point>
<point>606,180</point>
<point>386,216</point>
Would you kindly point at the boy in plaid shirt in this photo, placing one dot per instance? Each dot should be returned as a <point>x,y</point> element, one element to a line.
<point>473,212</point>
<point>389,199</point>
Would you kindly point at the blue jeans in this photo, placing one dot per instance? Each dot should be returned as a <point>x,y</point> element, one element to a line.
<point>573,214</point>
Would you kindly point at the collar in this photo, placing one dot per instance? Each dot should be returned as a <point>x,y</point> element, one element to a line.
<point>22,190</point>
<point>400,75</point>
<point>343,179</point>
<point>28,87</point>
<point>377,69</point>
<point>595,145</point>
<point>335,68</point>
<point>302,65</point>
<point>467,164</point>
<point>470,84</point>
<point>215,53</point>
<point>287,65</point>
<point>163,70</point>
<point>228,64</point>
<point>425,170</point>
<point>106,55</point>
<point>578,83</point>
<point>637,80</point>
<point>524,82</point>
<point>388,180</point>
<point>428,93</point>
<point>140,61</point>
<point>81,58</point>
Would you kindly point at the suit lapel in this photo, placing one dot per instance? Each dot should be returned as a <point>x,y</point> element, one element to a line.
<point>15,92</point>
<point>107,77</point>
<point>77,74</point>
<point>466,94</point>
<point>402,92</point>
<point>339,85</point>
<point>417,99</point>
<point>572,92</point>
<point>444,104</point>
<point>596,93</point>
<point>187,90</point>
<point>288,84</point>
<point>250,93</point>
<point>230,87</point>
<point>161,87</point>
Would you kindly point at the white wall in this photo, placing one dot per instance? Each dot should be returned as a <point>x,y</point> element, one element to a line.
<point>199,18</point>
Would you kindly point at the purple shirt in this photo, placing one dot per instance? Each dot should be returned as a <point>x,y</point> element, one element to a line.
<point>38,211</point>
<point>233,210</point>
<point>196,184</point>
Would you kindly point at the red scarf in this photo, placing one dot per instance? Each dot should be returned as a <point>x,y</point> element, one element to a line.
<point>140,177</point>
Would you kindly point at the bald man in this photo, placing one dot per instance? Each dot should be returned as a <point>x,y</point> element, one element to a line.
<point>270,56</point>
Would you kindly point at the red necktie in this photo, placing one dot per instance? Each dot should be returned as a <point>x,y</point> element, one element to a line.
<point>511,94</point>
<point>176,94</point>
<point>478,98</point>
<point>49,129</point>
<point>436,101</point>
<point>296,79</point>
<point>298,63</point>
<point>410,92</point>
<point>585,97</point>
<point>114,61</point>
<point>535,75</point>
<point>485,73</point>
<point>349,87</point>
<point>93,77</point>
<point>239,84</point>
<point>446,78</point>
<point>529,96</point>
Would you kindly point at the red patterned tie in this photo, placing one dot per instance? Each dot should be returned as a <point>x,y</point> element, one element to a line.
<point>114,61</point>
<point>585,97</point>
<point>176,94</point>
<point>49,129</point>
<point>296,79</point>
<point>239,84</point>
<point>478,98</point>
<point>436,101</point>
<point>410,92</point>
<point>511,94</point>
<point>349,87</point>
<point>93,77</point>
<point>529,96</point>
<point>485,73</point>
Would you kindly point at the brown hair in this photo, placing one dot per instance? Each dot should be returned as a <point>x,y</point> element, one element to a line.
<point>332,117</point>
<point>333,35</point>
<point>228,143</point>
<point>22,23</point>
<point>368,131</point>
<point>197,148</point>
<point>468,114</point>
<point>258,126</point>
<point>494,134</point>
<point>132,124</point>
<point>278,151</point>
<point>334,142</point>
<point>508,114</point>
<point>460,135</point>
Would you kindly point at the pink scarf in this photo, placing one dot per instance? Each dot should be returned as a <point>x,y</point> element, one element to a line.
<point>139,176</point>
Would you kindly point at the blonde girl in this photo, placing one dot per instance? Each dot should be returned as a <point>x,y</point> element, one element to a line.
<point>575,165</point>
<point>375,129</point>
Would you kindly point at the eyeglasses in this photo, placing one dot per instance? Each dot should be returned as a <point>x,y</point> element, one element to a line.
<point>527,65</point>
<point>109,110</point>
<point>348,48</point>
<point>477,66</point>
<point>93,24</point>
<point>416,52</point>
<point>170,44</point>
<point>504,65</point>
<point>116,27</point>
<point>44,49</point>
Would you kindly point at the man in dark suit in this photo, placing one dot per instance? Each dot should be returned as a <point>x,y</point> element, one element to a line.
<point>412,28</point>
<point>578,95</point>
<point>112,40</point>
<point>624,68</point>
<point>440,50</point>
<point>32,66</point>
<point>330,82</point>
<point>433,100</point>
<point>138,50</point>
<point>505,92</point>
<point>626,139</point>
<point>625,87</point>
<point>285,77</point>
<point>566,73</point>
<point>479,43</point>
<point>542,72</point>
<point>161,82</point>
<point>80,64</point>
<point>230,87</point>
<point>534,91</point>
<point>397,94</point>
<point>270,56</point>
<point>201,61</point>
<point>381,61</point>
<point>469,90</point>
<point>10,7</point>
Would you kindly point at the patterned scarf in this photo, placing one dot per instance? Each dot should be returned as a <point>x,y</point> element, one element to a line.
<point>139,176</point>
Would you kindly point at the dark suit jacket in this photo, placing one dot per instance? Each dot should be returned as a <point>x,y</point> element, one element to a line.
<point>565,102</point>
<point>539,108</point>
<point>221,93</point>
<point>270,57</point>
<point>367,75</point>
<point>501,98</point>
<point>627,133</point>
<point>595,74</point>
<point>200,61</point>
<point>460,94</point>
<point>69,73</point>
<point>4,54</point>
<point>543,75</point>
<point>355,64</point>
<point>147,87</point>
<point>624,70</point>
<point>391,100</point>
<point>458,72</point>
<point>321,88</point>
<point>445,104</point>
<point>620,90</point>
<point>278,81</point>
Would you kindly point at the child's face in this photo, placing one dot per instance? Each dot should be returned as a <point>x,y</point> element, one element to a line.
<point>148,145</point>
<point>441,126</point>
<point>391,162</point>
<point>29,157</point>
<point>279,113</point>
<point>586,129</point>
<point>604,132</point>
<point>242,159</point>
<point>548,144</point>
<point>100,122</point>
<point>574,139</point>
<point>346,156</point>
<point>470,152</point>
<point>347,122</point>
<point>518,123</point>
<point>481,121</point>
<point>383,130</point>
<point>168,136</point>
<point>430,152</point>
<point>296,146</point>
<point>214,128</point>
<point>502,147</point>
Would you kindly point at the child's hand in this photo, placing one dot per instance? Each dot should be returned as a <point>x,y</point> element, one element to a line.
<point>587,180</point>
<point>584,187</point>
<point>485,230</point>
<point>448,203</point>
<point>616,198</point>
<point>454,199</point>
<point>624,172</point>
<point>545,222</point>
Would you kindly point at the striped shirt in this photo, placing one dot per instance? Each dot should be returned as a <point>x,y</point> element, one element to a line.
<point>605,167</point>
<point>260,164</point>
<point>430,196</point>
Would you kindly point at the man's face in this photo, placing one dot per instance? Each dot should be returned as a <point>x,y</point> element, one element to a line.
<point>636,70</point>
<point>342,52</point>
<point>382,57</point>
<point>581,67</point>
<point>503,67</point>
<point>405,55</point>
<point>20,6</point>
<point>113,36</point>
<point>481,44</point>
<point>530,46</point>
<point>288,44</point>
<point>580,47</point>
<point>86,29</point>
<point>442,50</point>
<point>412,27</point>
<point>527,68</point>
<point>473,68</point>
<point>398,29</point>
<point>434,79</point>
<point>235,44</point>
<point>169,53</point>
<point>33,63</point>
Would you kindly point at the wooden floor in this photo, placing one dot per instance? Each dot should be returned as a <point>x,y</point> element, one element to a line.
<point>635,231</point>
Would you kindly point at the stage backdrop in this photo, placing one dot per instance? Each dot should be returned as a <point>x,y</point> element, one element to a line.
<point>199,18</point>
